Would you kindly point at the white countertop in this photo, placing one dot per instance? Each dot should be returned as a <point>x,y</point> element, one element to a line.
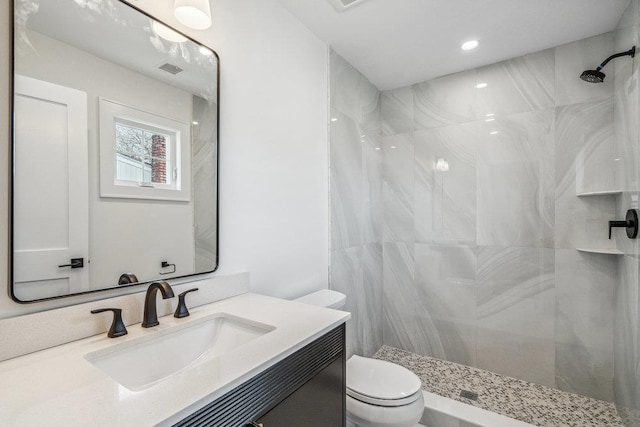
<point>59,386</point>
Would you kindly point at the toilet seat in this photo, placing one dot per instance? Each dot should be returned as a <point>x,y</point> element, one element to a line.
<point>381,383</point>
<point>387,403</point>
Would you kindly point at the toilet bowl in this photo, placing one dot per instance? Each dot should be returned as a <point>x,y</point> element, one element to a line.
<point>379,393</point>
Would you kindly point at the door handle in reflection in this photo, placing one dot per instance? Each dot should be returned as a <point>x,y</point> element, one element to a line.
<point>75,263</point>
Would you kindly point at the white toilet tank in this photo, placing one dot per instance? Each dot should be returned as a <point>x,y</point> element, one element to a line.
<point>324,298</point>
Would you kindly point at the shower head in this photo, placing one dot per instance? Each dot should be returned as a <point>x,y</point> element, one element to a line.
<point>593,76</point>
<point>597,76</point>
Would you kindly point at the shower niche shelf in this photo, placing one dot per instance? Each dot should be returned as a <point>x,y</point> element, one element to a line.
<point>603,251</point>
<point>599,193</point>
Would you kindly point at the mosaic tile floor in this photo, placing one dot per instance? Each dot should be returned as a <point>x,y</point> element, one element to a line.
<point>522,400</point>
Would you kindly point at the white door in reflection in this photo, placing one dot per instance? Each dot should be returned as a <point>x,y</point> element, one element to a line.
<point>51,215</point>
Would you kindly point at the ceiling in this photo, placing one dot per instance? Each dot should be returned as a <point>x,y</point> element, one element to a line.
<point>119,34</point>
<point>400,42</point>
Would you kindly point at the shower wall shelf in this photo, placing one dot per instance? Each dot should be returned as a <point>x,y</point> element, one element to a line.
<point>599,193</point>
<point>604,251</point>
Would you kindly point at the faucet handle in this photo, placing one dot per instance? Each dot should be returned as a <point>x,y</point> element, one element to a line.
<point>181,310</point>
<point>117,326</point>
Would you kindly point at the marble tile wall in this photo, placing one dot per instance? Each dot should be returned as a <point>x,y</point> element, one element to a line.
<point>204,161</point>
<point>356,195</point>
<point>626,337</point>
<point>480,261</point>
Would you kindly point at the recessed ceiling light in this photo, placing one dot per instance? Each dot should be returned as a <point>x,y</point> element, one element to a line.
<point>489,120</point>
<point>481,85</point>
<point>469,45</point>
<point>490,114</point>
<point>495,132</point>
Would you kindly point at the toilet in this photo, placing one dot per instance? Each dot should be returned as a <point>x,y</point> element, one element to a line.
<point>379,393</point>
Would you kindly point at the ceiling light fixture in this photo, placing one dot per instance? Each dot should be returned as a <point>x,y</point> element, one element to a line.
<point>167,33</point>
<point>194,14</point>
<point>481,85</point>
<point>469,45</point>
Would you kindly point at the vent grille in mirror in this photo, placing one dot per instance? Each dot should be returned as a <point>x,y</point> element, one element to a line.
<point>170,68</point>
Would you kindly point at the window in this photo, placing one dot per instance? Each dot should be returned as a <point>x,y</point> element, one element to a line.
<point>143,155</point>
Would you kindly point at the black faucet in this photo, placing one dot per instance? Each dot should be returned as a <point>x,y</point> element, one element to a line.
<point>150,315</point>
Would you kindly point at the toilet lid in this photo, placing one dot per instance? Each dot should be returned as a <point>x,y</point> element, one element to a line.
<point>381,381</point>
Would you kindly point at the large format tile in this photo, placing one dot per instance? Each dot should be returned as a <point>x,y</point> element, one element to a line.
<point>346,182</point>
<point>447,276</point>
<point>516,311</point>
<point>626,148</point>
<point>204,166</point>
<point>515,180</point>
<point>446,100</point>
<point>626,333</point>
<point>344,81</point>
<point>572,59</point>
<point>398,188</point>
<point>370,107</point>
<point>407,323</point>
<point>522,84</point>
<point>397,111</point>
<point>626,103</point>
<point>372,189</point>
<point>583,162</point>
<point>353,95</point>
<point>357,273</point>
<point>346,276</point>
<point>445,201</point>
<point>585,286</point>
<point>631,15</point>
<point>372,267</point>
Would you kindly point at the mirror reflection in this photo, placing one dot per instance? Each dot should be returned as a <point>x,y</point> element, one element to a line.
<point>115,149</point>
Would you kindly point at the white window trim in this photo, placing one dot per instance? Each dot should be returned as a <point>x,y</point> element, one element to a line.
<point>110,187</point>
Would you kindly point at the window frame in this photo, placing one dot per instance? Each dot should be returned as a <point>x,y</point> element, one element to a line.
<point>178,155</point>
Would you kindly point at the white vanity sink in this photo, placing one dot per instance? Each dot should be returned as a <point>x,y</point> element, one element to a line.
<point>160,375</point>
<point>141,362</point>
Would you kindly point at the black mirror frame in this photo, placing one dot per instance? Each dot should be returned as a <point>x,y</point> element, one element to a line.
<point>10,199</point>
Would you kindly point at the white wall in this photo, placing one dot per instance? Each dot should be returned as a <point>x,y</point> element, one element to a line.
<point>273,146</point>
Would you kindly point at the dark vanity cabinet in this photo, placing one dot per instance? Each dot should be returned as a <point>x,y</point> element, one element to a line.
<point>306,388</point>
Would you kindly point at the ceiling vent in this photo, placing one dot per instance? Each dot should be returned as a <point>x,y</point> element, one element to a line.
<point>342,5</point>
<point>170,68</point>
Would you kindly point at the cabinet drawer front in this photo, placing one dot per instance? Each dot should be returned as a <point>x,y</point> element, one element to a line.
<point>258,395</point>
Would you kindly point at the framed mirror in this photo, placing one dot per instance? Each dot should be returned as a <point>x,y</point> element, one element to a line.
<point>115,150</point>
